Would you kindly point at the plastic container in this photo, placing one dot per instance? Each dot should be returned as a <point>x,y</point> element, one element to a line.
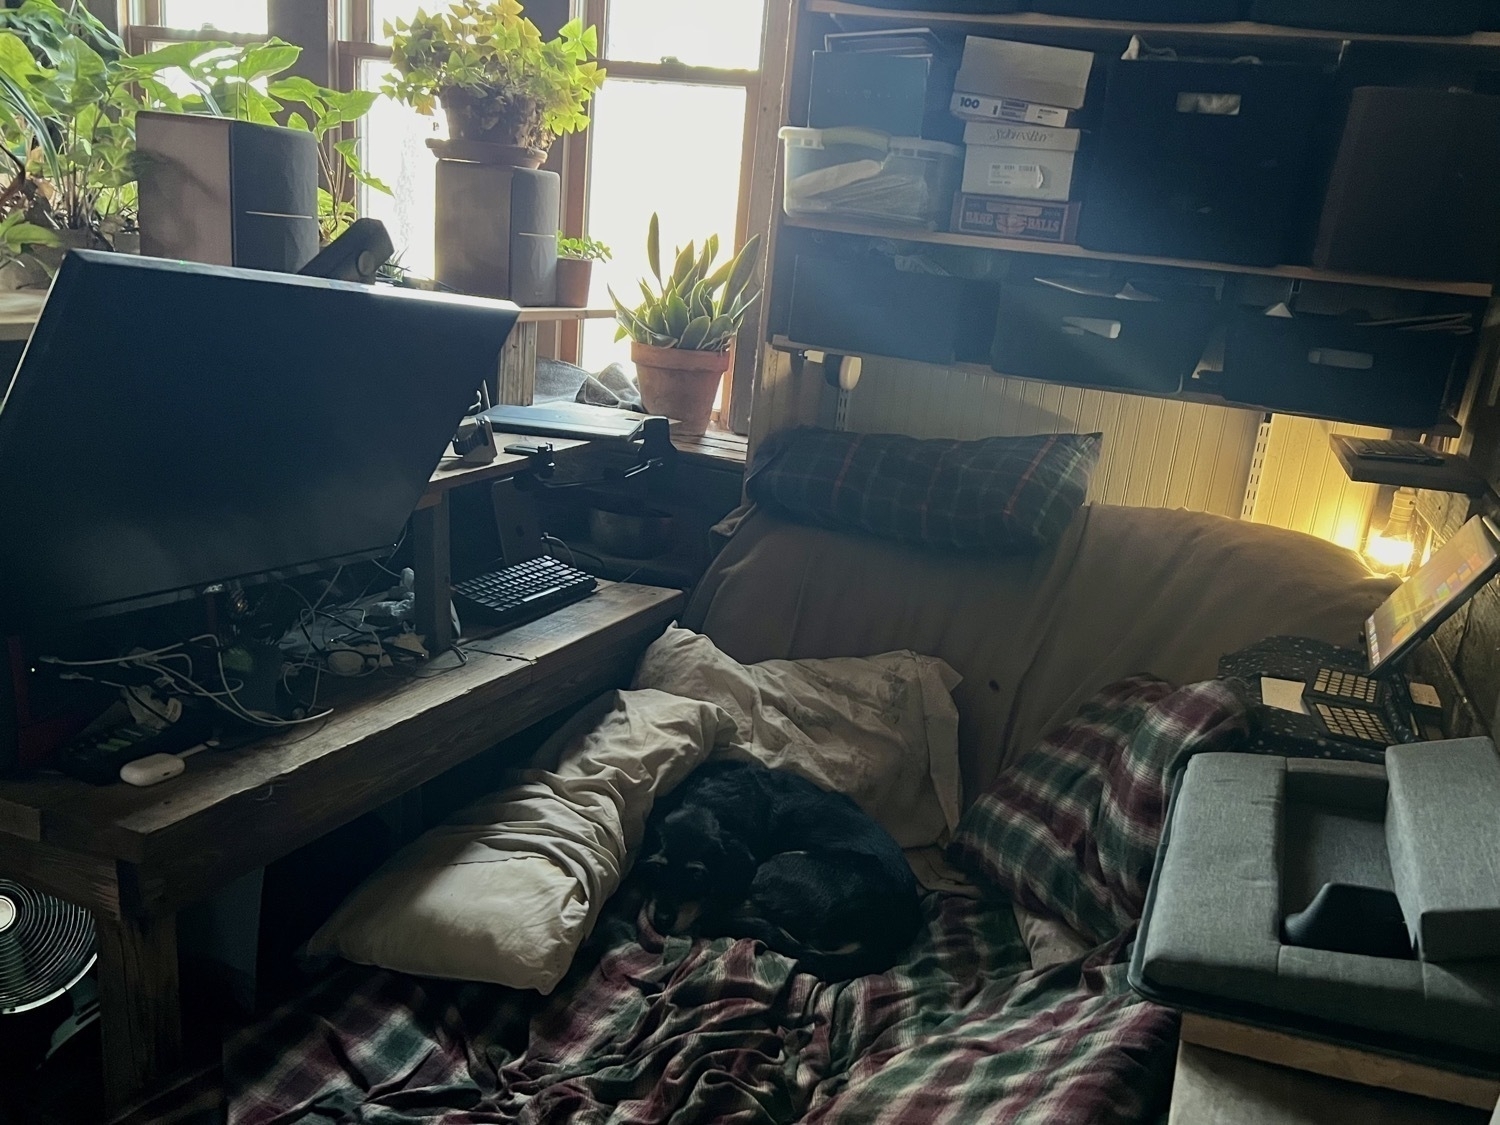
<point>862,174</point>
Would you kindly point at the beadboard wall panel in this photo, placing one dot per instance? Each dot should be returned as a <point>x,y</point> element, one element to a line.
<point>1157,452</point>
<point>1303,487</point>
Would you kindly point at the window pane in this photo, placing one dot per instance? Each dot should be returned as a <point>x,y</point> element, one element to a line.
<point>382,10</point>
<point>221,15</point>
<point>694,187</point>
<point>394,142</point>
<point>721,33</point>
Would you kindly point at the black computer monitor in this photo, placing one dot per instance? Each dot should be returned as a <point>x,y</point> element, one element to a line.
<point>173,427</point>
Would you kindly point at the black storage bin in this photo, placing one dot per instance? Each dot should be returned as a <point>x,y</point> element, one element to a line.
<point>1163,11</point>
<point>1043,332</point>
<point>1332,367</point>
<point>867,305</point>
<point>1204,160</point>
<point>1380,17</point>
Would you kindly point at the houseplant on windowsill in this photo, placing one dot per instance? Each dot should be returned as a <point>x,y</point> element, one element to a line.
<point>499,82</point>
<point>680,334</point>
<point>575,268</point>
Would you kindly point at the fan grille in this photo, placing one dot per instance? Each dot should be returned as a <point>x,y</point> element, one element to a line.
<point>45,946</point>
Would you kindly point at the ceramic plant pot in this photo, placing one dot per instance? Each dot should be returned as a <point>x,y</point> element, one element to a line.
<point>573,277</point>
<point>678,383</point>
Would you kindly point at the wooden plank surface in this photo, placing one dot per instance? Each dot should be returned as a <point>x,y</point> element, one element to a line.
<point>88,880</point>
<point>1072,250</point>
<point>715,446</point>
<point>552,314</point>
<point>139,1013</point>
<point>452,473</point>
<point>1240,29</point>
<point>19,310</point>
<point>1335,1061</point>
<point>371,750</point>
<point>1214,1088</point>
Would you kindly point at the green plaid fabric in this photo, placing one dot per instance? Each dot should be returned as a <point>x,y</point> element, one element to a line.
<point>1003,494</point>
<point>652,1030</point>
<point>1071,830</point>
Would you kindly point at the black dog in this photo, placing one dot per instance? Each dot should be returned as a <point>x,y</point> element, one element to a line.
<point>741,850</point>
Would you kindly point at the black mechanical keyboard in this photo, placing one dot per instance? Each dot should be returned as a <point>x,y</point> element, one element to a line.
<point>521,592</point>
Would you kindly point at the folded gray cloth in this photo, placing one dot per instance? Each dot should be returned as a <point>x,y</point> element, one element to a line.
<point>614,386</point>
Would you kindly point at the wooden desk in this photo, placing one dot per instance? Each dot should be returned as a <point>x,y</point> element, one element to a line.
<point>134,857</point>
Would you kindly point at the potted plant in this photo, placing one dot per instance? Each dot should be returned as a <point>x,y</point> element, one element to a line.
<point>499,82</point>
<point>575,268</point>
<point>680,333</point>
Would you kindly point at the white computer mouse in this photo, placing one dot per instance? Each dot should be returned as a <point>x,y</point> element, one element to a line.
<point>151,769</point>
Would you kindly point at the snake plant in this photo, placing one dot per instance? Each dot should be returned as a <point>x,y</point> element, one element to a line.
<point>691,308</point>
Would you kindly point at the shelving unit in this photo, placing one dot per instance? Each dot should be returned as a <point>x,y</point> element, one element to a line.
<point>1242,29</point>
<point>1072,250</point>
<point>1447,427</point>
<point>786,397</point>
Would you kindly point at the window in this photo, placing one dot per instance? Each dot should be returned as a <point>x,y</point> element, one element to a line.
<point>670,132</point>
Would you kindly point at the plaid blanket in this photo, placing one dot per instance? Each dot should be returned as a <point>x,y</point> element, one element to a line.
<point>646,1029</point>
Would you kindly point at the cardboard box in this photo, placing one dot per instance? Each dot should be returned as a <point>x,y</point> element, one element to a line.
<point>977,107</point>
<point>1021,173</point>
<point>1009,134</point>
<point>1015,218</point>
<point>1025,72</point>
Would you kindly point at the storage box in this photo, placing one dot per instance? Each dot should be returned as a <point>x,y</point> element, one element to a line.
<point>1021,173</point>
<point>1389,17</point>
<point>1015,218</point>
<point>1414,187</point>
<point>1026,72</point>
<point>1333,367</point>
<point>1204,160</point>
<point>884,92</point>
<point>1441,825</point>
<point>866,305</point>
<point>863,174</point>
<point>1044,332</point>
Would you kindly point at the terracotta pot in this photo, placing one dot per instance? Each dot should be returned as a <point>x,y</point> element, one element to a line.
<point>491,119</point>
<point>678,383</point>
<point>573,277</point>
<point>483,152</point>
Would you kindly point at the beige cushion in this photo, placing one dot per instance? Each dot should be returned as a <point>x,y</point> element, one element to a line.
<point>882,729</point>
<point>1125,591</point>
<point>507,889</point>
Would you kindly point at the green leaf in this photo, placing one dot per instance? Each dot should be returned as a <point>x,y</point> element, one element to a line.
<point>682,269</point>
<point>266,59</point>
<point>653,246</point>
<point>678,316</point>
<point>695,333</point>
<point>742,269</point>
<point>170,57</point>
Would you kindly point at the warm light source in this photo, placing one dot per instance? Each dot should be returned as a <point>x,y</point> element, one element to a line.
<point>1389,553</point>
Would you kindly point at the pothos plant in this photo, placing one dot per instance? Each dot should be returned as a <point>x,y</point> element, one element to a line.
<point>691,308</point>
<point>498,80</point>
<point>582,249</point>
<point>69,96</point>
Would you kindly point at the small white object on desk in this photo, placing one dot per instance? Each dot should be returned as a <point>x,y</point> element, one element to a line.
<point>1284,695</point>
<point>156,768</point>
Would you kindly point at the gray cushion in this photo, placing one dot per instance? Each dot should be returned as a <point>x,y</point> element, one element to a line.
<point>1213,928</point>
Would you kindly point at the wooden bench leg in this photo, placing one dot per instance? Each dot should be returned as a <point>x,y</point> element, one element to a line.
<point>139,1012</point>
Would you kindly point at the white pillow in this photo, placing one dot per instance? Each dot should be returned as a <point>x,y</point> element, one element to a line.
<point>883,729</point>
<point>507,889</point>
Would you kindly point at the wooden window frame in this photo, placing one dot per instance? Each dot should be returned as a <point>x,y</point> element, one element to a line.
<point>336,36</point>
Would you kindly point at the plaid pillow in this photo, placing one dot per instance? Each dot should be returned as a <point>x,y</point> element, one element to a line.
<point>997,494</point>
<point>1071,829</point>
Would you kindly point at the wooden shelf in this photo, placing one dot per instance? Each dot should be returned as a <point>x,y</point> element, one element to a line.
<point>1032,21</point>
<point>1477,289</point>
<point>548,314</point>
<point>1446,428</point>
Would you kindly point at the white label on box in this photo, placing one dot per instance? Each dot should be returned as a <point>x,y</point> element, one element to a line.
<point>1004,68</point>
<point>1006,179</point>
<point>977,107</point>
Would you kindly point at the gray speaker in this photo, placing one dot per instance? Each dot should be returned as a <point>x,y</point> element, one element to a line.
<point>230,193</point>
<point>496,233</point>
